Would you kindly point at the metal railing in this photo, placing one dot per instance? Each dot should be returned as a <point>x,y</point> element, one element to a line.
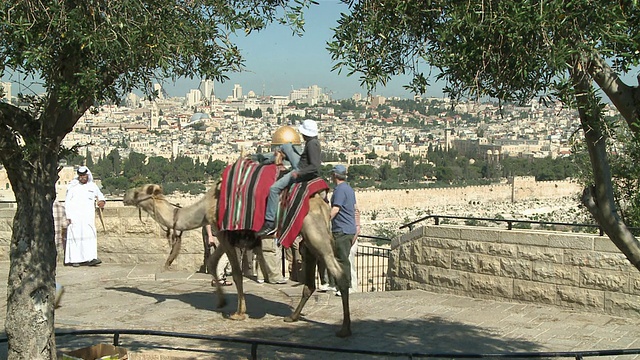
<point>256,343</point>
<point>371,265</point>
<point>510,222</point>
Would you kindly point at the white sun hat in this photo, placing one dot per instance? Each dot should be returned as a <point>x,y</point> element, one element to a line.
<point>308,128</point>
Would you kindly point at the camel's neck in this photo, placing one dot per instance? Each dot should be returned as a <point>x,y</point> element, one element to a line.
<point>160,210</point>
<point>170,216</point>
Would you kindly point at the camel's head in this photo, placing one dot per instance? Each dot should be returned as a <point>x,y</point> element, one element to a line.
<point>137,195</point>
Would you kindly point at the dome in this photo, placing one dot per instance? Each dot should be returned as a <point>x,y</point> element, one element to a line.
<point>199,116</point>
<point>286,134</point>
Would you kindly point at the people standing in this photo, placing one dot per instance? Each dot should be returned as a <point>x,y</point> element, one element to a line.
<point>82,238</point>
<point>224,266</point>
<point>272,255</point>
<point>294,260</point>
<point>59,231</point>
<point>59,225</point>
<point>344,222</point>
<point>308,168</point>
<point>327,282</point>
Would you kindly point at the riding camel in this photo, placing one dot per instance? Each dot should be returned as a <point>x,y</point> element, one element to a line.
<point>316,234</point>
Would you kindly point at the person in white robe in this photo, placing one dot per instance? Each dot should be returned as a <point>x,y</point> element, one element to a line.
<point>80,206</point>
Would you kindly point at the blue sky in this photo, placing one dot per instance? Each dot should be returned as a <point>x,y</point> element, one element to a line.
<point>276,61</point>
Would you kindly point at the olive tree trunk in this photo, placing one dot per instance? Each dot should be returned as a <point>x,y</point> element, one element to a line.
<point>599,198</point>
<point>31,283</point>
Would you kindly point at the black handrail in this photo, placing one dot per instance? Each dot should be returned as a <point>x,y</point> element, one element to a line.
<point>374,238</point>
<point>256,342</point>
<point>509,222</point>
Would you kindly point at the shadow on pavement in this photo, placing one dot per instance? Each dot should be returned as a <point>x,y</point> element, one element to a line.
<point>433,336</point>
<point>259,307</point>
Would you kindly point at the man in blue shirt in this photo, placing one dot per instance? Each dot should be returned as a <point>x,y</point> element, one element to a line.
<point>345,219</point>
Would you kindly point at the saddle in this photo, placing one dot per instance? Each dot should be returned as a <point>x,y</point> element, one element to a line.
<point>243,195</point>
<point>243,198</point>
<point>294,206</point>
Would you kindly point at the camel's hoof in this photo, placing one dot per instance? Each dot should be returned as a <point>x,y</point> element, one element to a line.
<point>289,319</point>
<point>343,333</point>
<point>237,316</point>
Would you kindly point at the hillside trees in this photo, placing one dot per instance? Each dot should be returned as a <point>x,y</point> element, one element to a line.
<point>512,51</point>
<point>84,53</point>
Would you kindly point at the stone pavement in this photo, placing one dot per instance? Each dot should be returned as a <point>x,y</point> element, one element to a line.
<point>116,296</point>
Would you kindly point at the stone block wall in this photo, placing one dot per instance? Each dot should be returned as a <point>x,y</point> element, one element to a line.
<point>578,271</point>
<point>127,240</point>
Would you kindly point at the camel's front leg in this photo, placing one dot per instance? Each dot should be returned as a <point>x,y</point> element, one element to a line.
<point>309,263</point>
<point>345,330</point>
<point>212,264</point>
<point>176,243</point>
<point>236,271</point>
<point>339,267</point>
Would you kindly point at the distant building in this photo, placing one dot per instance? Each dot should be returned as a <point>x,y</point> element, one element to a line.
<point>310,95</point>
<point>237,92</point>
<point>132,100</point>
<point>207,90</point>
<point>194,97</point>
<point>66,174</point>
<point>154,117</point>
<point>377,101</point>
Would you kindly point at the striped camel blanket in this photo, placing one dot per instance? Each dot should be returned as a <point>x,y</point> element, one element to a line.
<point>295,207</point>
<point>243,195</point>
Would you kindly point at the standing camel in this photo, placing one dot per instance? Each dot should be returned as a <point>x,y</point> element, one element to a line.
<point>316,233</point>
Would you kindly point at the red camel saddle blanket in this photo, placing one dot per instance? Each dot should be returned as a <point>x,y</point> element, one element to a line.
<point>243,195</point>
<point>296,207</point>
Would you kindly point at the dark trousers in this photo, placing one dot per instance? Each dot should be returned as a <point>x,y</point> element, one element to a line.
<point>343,246</point>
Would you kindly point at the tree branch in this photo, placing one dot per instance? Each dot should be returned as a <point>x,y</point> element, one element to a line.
<point>17,119</point>
<point>624,97</point>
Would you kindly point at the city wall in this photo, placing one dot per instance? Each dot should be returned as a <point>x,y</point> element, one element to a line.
<point>577,271</point>
<point>517,189</point>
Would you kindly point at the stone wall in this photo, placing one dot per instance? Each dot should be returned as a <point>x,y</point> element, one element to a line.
<point>577,271</point>
<point>127,240</point>
<point>518,188</point>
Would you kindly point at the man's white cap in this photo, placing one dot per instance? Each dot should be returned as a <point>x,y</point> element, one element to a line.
<point>308,128</point>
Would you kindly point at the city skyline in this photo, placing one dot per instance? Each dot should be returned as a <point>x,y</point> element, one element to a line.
<point>277,61</point>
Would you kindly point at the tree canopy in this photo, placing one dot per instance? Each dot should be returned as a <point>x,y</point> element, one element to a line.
<point>572,52</point>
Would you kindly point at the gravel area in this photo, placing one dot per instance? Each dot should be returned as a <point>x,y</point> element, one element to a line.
<point>560,210</point>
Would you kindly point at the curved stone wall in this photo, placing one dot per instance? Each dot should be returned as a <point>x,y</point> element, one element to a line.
<point>578,271</point>
<point>565,269</point>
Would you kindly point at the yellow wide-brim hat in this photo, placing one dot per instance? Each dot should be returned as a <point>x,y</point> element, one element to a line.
<point>284,135</point>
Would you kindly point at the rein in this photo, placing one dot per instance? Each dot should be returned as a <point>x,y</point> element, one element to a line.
<point>153,197</point>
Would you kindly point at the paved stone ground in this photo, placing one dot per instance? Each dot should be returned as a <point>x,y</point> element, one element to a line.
<point>113,296</point>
